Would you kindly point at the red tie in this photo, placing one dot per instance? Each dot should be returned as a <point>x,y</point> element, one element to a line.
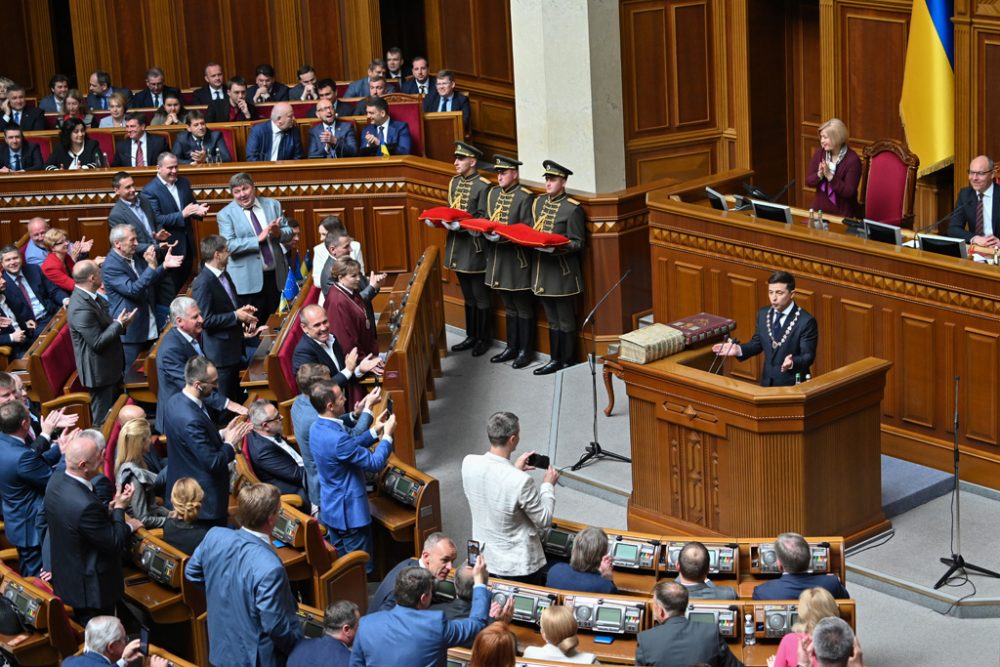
<point>140,160</point>
<point>980,225</point>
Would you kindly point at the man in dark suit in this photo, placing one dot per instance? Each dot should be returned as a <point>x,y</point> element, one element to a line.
<point>59,89</point>
<point>382,135</point>
<point>24,474</point>
<point>252,613</point>
<point>421,83</point>
<point>151,97</point>
<point>412,634</point>
<point>377,87</point>
<point>140,149</point>
<point>199,145</point>
<point>306,88</point>
<point>785,333</point>
<point>17,154</point>
<point>215,85</point>
<point>676,641</point>
<point>18,328</point>
<point>97,340</point>
<point>107,644</point>
<point>977,213</point>
<point>330,137</point>
<point>87,541</point>
<point>28,119</point>
<point>276,140</point>
<point>196,447</point>
<point>27,289</point>
<point>225,319</point>
<point>794,556</point>
<point>437,557</point>
<point>444,98</point>
<point>234,107</point>
<point>326,89</point>
<point>693,565</point>
<point>359,87</point>
<point>333,649</point>
<point>265,88</point>
<point>133,209</point>
<point>275,461</point>
<point>172,199</point>
<point>130,281</point>
<point>101,90</point>
<point>319,346</point>
<point>395,66</point>
<point>178,345</point>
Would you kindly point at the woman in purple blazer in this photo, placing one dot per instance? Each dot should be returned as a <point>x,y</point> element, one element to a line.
<point>834,171</point>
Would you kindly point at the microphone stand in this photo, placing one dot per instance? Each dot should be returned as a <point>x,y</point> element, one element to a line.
<point>957,564</point>
<point>594,450</point>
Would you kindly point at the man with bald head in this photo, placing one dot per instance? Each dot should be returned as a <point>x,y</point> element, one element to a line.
<point>329,137</point>
<point>277,139</point>
<point>319,346</point>
<point>977,214</point>
<point>97,340</point>
<point>34,251</point>
<point>87,541</point>
<point>437,557</point>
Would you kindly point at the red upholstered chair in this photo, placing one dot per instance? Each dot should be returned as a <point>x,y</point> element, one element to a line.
<point>168,137</point>
<point>227,136</point>
<point>44,145</point>
<point>264,109</point>
<point>410,110</point>
<point>106,140</point>
<point>285,356</point>
<point>51,121</point>
<point>54,381</point>
<point>342,87</point>
<point>888,182</point>
<point>187,97</point>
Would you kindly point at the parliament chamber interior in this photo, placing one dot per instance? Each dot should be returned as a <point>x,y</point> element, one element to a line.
<point>680,162</point>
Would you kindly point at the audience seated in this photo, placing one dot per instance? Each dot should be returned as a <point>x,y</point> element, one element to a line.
<point>117,105</point>
<point>305,89</point>
<point>815,604</point>
<point>171,112</point>
<point>151,97</point>
<point>693,565</point>
<point>359,87</point>
<point>18,114</point>
<point>265,88</point>
<point>421,83</point>
<point>75,150</point>
<point>134,442</point>
<point>105,643</point>
<point>55,101</point>
<point>275,461</point>
<point>27,289</point>
<point>235,106</point>
<point>445,98</point>
<point>438,555</point>
<point>76,107</point>
<point>182,529</point>
<point>333,649</point>
<point>383,136</point>
<point>16,154</point>
<point>559,628</point>
<point>17,327</point>
<point>275,140</point>
<point>496,646</point>
<point>377,87</point>
<point>794,557</point>
<point>833,644</point>
<point>140,149</point>
<point>461,606</point>
<point>214,88</point>
<point>677,640</point>
<point>590,568</point>
<point>199,145</point>
<point>101,91</point>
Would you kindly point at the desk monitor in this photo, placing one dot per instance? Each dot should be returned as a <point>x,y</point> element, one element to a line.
<point>768,211</point>
<point>943,245</point>
<point>717,200</point>
<point>879,231</point>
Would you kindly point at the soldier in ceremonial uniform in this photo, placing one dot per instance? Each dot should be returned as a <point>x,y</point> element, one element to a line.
<point>555,275</point>
<point>465,253</point>
<point>508,266</point>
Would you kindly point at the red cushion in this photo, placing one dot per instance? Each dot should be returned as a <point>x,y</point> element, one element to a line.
<point>409,113</point>
<point>444,214</point>
<point>106,140</point>
<point>58,361</point>
<point>285,355</point>
<point>44,145</point>
<point>478,225</point>
<point>342,87</point>
<point>52,120</point>
<point>312,297</point>
<point>529,236</point>
<point>227,136</point>
<point>246,455</point>
<point>886,188</point>
<point>187,97</point>
<point>111,450</point>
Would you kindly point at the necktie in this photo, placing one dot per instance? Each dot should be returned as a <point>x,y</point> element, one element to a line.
<point>104,102</point>
<point>156,101</point>
<point>444,104</point>
<point>140,159</point>
<point>17,117</point>
<point>980,223</point>
<point>197,347</point>
<point>381,134</point>
<point>228,286</point>
<point>423,88</point>
<point>218,94</point>
<point>24,290</point>
<point>265,246</point>
<point>776,327</point>
<point>16,159</point>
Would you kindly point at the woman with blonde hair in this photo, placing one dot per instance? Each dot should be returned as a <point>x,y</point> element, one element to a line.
<point>559,632</point>
<point>134,442</point>
<point>495,646</point>
<point>835,171</point>
<point>116,106</point>
<point>815,604</point>
<point>182,529</point>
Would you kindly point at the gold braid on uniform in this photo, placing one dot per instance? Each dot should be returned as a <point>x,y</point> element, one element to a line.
<point>501,211</point>
<point>460,198</point>
<point>547,217</point>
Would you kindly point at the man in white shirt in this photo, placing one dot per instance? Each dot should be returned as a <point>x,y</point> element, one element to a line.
<point>509,512</point>
<point>976,218</point>
<point>276,140</point>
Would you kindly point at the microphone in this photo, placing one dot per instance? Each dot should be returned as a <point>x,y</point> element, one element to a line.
<point>754,192</point>
<point>783,190</point>
<point>730,341</point>
<point>935,223</point>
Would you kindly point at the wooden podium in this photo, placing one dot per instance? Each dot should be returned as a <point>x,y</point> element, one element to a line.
<point>716,456</point>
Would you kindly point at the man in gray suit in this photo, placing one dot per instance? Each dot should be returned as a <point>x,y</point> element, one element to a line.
<point>254,229</point>
<point>676,641</point>
<point>97,340</point>
<point>135,210</point>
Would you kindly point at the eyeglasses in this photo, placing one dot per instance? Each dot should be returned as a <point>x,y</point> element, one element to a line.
<point>274,419</point>
<point>979,173</point>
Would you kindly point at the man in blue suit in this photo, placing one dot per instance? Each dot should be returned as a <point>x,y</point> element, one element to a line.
<point>410,633</point>
<point>341,463</point>
<point>17,154</point>
<point>382,132</point>
<point>173,203</point>
<point>56,101</point>
<point>196,448</point>
<point>421,83</point>
<point>130,282</point>
<point>105,643</point>
<point>252,613</point>
<point>277,139</point>
<point>24,474</point>
<point>27,289</point>
<point>200,145</point>
<point>330,137</point>
<point>333,649</point>
<point>101,90</point>
<point>359,87</point>
<point>794,557</point>
<point>444,98</point>
<point>180,344</point>
<point>275,461</point>
<point>254,229</point>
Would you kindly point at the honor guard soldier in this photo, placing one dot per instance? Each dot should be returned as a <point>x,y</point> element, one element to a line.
<point>508,266</point>
<point>465,253</point>
<point>555,276</point>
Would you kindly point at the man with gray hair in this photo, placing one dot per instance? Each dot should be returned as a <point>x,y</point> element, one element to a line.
<point>833,644</point>
<point>105,643</point>
<point>437,557</point>
<point>509,511</point>
<point>275,461</point>
<point>333,649</point>
<point>277,140</point>
<point>794,558</point>
<point>130,282</point>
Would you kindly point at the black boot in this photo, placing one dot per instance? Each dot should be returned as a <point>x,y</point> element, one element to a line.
<point>568,348</point>
<point>484,339</point>
<point>510,351</point>
<point>555,354</point>
<point>470,330</point>
<point>526,334</point>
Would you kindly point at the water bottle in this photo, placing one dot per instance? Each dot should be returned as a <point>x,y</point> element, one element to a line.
<point>748,636</point>
<point>808,377</point>
<point>812,219</point>
<point>217,156</point>
<point>798,378</point>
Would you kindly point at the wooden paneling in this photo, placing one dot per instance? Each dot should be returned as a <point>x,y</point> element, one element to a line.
<point>988,66</point>
<point>205,46</point>
<point>29,54</point>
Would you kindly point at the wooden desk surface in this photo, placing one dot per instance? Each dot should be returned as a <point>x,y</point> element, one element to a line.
<point>256,373</point>
<point>635,581</point>
<point>397,519</point>
<point>30,648</point>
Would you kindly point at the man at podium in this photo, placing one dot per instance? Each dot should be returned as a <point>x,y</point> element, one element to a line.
<point>785,333</point>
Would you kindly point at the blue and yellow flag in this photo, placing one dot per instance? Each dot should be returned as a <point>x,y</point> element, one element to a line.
<point>289,293</point>
<point>927,103</point>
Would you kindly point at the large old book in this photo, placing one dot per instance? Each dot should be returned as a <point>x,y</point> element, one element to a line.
<point>648,344</point>
<point>703,326</point>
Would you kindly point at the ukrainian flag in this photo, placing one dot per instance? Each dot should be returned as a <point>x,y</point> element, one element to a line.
<point>927,104</point>
<point>288,294</point>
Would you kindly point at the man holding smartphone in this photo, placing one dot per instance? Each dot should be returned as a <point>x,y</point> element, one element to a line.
<point>509,510</point>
